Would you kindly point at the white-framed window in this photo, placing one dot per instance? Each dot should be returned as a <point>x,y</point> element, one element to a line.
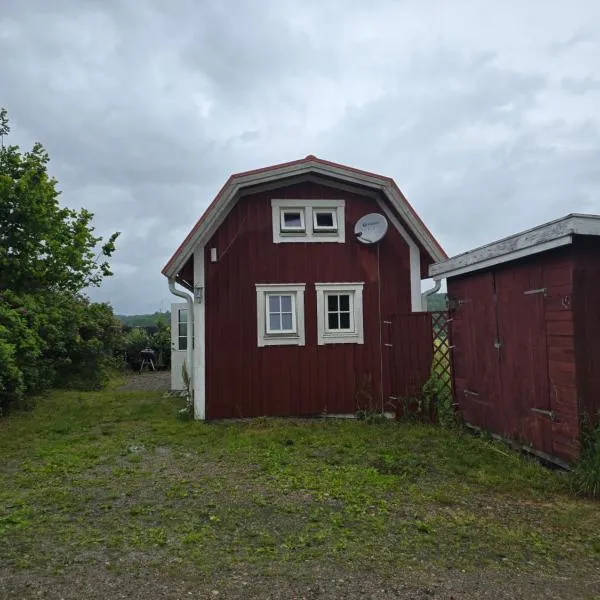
<point>280,314</point>
<point>324,220</point>
<point>340,313</point>
<point>308,221</point>
<point>182,325</point>
<point>292,220</point>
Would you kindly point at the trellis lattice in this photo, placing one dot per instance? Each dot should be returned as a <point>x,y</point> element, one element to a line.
<point>442,349</point>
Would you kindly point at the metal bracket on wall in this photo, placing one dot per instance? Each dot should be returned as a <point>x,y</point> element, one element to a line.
<point>537,291</point>
<point>546,413</point>
<point>497,344</point>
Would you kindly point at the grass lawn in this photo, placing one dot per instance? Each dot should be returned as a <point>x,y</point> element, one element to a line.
<point>108,495</point>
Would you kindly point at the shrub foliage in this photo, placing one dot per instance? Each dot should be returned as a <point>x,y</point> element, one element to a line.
<point>50,333</point>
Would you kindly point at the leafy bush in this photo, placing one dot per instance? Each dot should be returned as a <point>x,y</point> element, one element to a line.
<point>134,342</point>
<point>584,478</point>
<point>49,333</point>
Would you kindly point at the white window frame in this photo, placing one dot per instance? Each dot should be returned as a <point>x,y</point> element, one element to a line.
<point>286,229</point>
<point>353,336</point>
<point>281,331</point>
<point>180,322</point>
<point>264,337</point>
<point>324,228</point>
<point>308,210</point>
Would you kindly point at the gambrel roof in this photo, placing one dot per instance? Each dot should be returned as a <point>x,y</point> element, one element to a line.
<point>216,212</point>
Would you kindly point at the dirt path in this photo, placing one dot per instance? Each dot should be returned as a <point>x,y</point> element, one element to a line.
<point>148,381</point>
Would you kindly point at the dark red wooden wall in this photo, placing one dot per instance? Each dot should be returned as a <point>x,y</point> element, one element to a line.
<point>587,323</point>
<point>514,356</point>
<point>244,380</point>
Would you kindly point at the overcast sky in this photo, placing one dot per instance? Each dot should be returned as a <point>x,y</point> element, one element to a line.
<point>487,118</point>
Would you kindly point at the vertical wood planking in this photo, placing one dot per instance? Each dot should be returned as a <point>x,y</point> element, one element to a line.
<point>244,380</point>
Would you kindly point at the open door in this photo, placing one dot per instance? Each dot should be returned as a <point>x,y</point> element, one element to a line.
<point>179,325</point>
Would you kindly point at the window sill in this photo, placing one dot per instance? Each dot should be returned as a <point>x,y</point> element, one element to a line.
<point>350,338</point>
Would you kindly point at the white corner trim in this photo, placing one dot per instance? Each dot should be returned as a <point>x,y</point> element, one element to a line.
<point>416,300</point>
<point>199,338</point>
<point>354,337</point>
<point>309,234</point>
<point>264,339</point>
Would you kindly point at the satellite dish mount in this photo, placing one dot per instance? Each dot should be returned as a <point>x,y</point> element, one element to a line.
<point>371,228</point>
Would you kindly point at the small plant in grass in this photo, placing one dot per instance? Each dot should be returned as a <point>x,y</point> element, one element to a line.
<point>585,475</point>
<point>366,409</point>
<point>439,394</point>
<point>187,412</point>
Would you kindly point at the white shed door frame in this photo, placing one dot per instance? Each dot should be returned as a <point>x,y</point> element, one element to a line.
<point>179,314</point>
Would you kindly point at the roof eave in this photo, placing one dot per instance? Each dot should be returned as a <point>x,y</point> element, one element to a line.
<point>542,238</point>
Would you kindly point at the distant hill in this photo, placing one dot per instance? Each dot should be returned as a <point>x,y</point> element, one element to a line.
<point>145,320</point>
<point>436,302</point>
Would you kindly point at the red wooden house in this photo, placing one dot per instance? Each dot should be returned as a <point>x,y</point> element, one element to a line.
<point>526,333</point>
<point>284,307</point>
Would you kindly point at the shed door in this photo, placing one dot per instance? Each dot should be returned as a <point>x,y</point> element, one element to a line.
<point>476,370</point>
<point>179,325</point>
<point>523,355</point>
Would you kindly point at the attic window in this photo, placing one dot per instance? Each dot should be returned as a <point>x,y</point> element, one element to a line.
<point>292,219</point>
<point>296,220</point>
<point>324,220</point>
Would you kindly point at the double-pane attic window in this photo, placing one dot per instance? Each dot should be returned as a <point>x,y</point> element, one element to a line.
<point>308,221</point>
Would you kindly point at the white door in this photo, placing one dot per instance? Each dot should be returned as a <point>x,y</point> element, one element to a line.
<point>179,325</point>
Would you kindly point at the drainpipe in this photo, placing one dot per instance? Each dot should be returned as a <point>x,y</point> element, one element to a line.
<point>190,327</point>
<point>426,293</point>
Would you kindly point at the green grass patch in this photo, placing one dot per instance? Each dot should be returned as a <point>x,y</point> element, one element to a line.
<point>97,473</point>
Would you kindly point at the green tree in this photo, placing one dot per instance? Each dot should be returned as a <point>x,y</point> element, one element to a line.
<point>50,334</point>
<point>43,246</point>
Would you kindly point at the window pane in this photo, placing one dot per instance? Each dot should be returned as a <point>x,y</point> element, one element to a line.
<point>292,219</point>
<point>274,304</point>
<point>332,320</point>
<point>286,304</point>
<point>324,219</point>
<point>286,320</point>
<point>332,303</point>
<point>182,329</point>
<point>183,315</point>
<point>183,343</point>
<point>275,322</point>
<point>344,320</point>
<point>345,302</point>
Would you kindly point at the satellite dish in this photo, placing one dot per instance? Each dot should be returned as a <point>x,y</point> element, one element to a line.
<point>371,228</point>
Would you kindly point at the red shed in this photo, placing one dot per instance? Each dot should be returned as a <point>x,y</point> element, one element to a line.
<point>526,333</point>
<point>287,306</point>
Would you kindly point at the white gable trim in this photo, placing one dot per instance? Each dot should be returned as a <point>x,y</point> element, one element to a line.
<point>229,194</point>
<point>416,299</point>
<point>527,243</point>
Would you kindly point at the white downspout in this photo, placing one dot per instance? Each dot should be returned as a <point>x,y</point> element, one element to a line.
<point>190,330</point>
<point>426,293</point>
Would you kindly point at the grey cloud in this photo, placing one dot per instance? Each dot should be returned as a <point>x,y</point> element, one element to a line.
<point>147,108</point>
<point>580,86</point>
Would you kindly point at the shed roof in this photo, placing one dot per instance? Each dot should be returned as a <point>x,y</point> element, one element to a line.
<point>542,238</point>
<point>214,215</point>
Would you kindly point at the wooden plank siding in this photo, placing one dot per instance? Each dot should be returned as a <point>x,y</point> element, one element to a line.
<point>527,306</point>
<point>476,373</point>
<point>587,324</point>
<point>243,380</point>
